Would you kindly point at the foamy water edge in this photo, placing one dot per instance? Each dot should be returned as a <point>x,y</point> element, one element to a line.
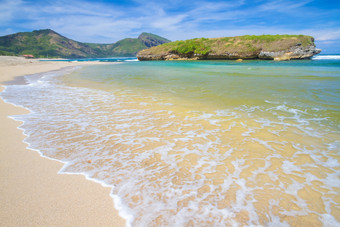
<point>213,121</point>
<point>122,210</point>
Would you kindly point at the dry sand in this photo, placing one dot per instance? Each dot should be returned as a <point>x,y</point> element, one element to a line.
<point>31,192</point>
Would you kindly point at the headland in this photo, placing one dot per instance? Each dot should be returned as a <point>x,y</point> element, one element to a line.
<point>266,47</point>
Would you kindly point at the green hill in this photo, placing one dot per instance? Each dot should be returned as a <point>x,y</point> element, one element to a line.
<point>48,43</point>
<point>128,47</point>
<point>43,43</point>
<point>278,47</point>
<point>151,40</point>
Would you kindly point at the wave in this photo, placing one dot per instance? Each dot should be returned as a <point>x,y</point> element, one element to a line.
<point>114,59</point>
<point>132,60</point>
<point>326,57</point>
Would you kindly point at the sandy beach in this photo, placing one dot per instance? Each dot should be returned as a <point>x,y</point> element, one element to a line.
<point>31,192</point>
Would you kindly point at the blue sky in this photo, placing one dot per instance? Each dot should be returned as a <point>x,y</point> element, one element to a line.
<point>105,21</point>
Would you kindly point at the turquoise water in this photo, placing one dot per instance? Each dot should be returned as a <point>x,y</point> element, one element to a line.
<point>196,143</point>
<point>228,84</point>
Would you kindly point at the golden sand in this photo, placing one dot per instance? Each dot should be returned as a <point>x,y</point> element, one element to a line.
<point>31,192</point>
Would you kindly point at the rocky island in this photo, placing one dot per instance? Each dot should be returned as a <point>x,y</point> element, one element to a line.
<point>269,47</point>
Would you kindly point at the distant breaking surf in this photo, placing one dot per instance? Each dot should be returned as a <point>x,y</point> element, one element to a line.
<point>326,57</point>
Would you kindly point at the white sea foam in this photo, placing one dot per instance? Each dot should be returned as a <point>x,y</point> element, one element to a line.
<point>288,167</point>
<point>329,221</point>
<point>326,57</point>
<point>132,60</point>
<point>123,137</point>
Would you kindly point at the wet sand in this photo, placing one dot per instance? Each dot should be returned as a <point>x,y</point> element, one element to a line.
<point>31,192</point>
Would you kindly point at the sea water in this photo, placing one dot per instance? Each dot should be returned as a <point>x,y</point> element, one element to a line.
<point>196,143</point>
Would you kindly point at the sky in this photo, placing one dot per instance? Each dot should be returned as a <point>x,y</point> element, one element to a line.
<point>105,21</point>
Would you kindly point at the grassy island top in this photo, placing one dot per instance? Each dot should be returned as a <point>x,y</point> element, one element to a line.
<point>240,44</point>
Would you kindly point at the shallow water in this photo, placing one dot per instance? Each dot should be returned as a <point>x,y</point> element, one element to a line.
<point>210,143</point>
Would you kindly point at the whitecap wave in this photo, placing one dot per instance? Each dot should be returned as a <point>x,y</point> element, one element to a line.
<point>326,57</point>
<point>132,60</point>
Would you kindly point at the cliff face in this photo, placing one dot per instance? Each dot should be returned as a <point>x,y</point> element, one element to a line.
<point>277,47</point>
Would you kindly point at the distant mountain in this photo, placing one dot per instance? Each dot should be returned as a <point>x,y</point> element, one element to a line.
<point>127,46</point>
<point>48,43</point>
<point>151,40</point>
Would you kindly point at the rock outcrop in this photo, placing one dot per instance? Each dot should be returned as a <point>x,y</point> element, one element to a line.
<point>295,52</point>
<point>276,47</point>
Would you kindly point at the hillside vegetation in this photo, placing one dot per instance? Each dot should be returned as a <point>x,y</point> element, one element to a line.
<point>48,43</point>
<point>245,47</point>
<point>151,40</point>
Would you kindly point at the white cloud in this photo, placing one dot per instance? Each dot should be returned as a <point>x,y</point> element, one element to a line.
<point>168,23</point>
<point>283,5</point>
<point>326,35</point>
<point>7,10</point>
<point>101,22</point>
<point>79,20</point>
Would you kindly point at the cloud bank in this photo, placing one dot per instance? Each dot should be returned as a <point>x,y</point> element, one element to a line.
<point>108,21</point>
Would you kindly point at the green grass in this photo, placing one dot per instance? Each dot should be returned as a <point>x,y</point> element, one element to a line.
<point>265,38</point>
<point>193,46</point>
<point>305,40</point>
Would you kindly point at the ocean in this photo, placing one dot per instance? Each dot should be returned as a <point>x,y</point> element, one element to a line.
<point>196,143</point>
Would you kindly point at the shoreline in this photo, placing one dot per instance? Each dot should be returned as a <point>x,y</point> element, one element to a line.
<point>33,193</point>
